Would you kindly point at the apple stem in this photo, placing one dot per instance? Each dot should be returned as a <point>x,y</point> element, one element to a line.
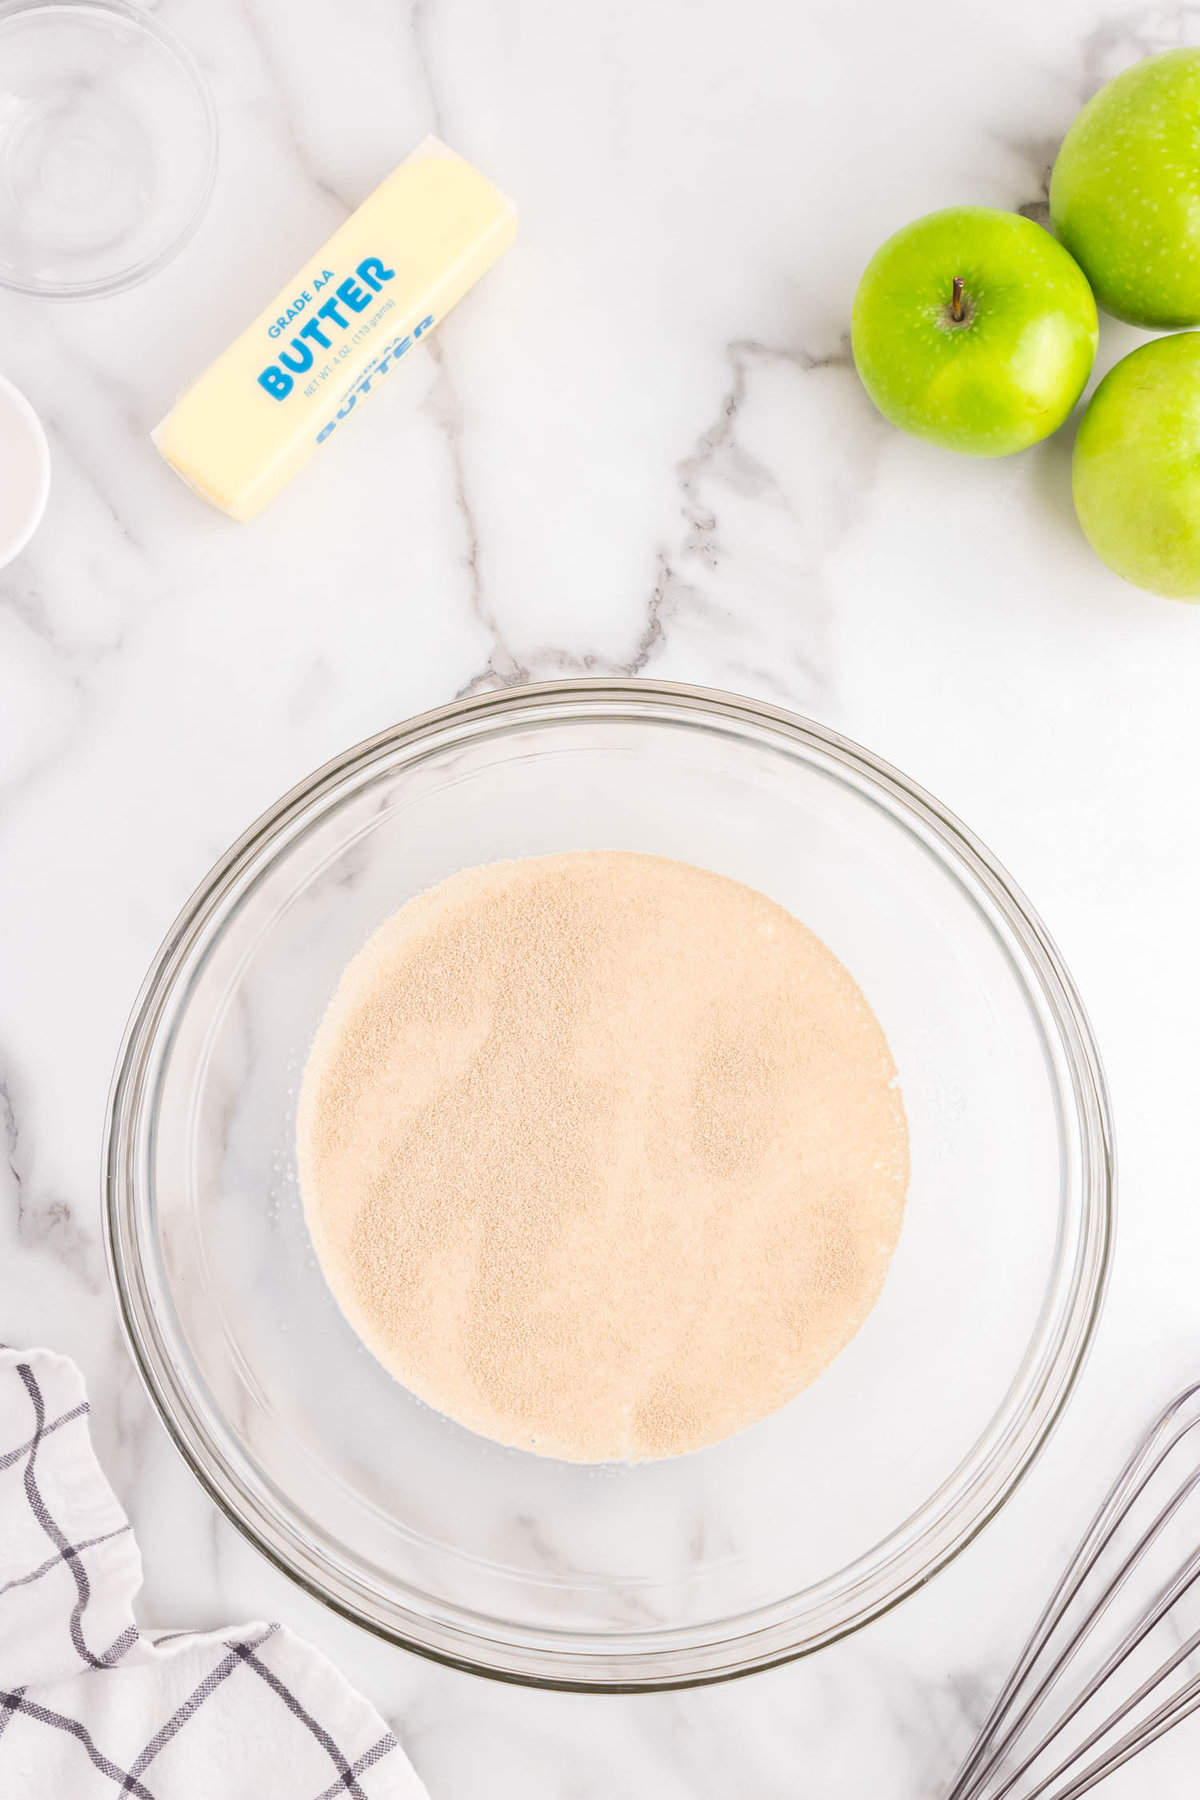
<point>958,310</point>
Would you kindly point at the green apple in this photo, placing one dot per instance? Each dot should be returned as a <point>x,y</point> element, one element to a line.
<point>1136,471</point>
<point>1125,192</point>
<point>973,328</point>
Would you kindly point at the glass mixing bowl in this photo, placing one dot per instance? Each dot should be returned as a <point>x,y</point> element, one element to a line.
<point>659,1574</point>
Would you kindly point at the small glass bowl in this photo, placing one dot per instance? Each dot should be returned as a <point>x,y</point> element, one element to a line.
<point>796,1531</point>
<point>24,471</point>
<point>108,146</point>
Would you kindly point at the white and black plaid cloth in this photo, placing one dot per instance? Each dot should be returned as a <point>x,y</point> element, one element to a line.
<point>92,1708</point>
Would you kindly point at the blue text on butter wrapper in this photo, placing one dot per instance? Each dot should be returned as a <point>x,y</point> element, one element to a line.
<point>379,366</point>
<point>278,378</point>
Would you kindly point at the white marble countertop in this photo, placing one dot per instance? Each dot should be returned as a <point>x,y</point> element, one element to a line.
<point>640,447</point>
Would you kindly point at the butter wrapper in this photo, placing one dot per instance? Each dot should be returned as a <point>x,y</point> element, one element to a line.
<point>312,358</point>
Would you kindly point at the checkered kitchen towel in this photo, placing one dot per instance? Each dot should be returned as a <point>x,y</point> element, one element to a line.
<point>90,1706</point>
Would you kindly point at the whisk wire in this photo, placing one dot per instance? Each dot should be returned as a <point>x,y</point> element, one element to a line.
<point>1092,1544</point>
<point>1170,1714</point>
<point>1015,1711</point>
<point>1139,1734</point>
<point>1164,1600</point>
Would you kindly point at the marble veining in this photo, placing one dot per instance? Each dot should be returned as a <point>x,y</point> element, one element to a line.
<point>640,448</point>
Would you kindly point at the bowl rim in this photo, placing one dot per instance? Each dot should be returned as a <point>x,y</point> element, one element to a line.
<point>546,1659</point>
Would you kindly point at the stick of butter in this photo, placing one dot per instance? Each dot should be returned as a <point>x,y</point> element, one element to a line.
<point>384,280</point>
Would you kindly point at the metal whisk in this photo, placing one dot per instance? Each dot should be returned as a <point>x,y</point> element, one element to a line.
<point>1106,1672</point>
